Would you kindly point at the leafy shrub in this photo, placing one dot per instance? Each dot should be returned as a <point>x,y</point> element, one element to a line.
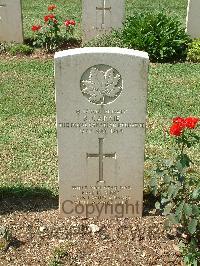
<point>112,39</point>
<point>15,49</point>
<point>193,53</point>
<point>161,36</point>
<point>180,193</point>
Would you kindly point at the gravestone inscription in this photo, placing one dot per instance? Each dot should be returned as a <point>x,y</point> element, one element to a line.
<point>100,16</point>
<point>101,111</point>
<point>11,21</point>
<point>193,18</point>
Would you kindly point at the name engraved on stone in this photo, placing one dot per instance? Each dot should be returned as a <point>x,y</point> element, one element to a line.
<point>101,112</point>
<point>103,9</point>
<point>101,156</point>
<point>101,84</point>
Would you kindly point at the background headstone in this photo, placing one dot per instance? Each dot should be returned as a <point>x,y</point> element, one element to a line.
<point>101,110</point>
<point>11,21</point>
<point>100,16</point>
<point>193,18</point>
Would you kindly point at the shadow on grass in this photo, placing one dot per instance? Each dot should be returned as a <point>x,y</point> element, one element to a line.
<point>37,199</point>
<point>23,198</point>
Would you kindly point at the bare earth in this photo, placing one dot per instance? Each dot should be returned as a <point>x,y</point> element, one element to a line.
<point>37,231</point>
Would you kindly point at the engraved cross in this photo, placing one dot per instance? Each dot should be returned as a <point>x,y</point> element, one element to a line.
<point>101,156</point>
<point>103,9</point>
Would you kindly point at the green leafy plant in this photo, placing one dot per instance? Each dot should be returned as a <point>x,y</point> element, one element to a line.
<point>23,49</point>
<point>5,238</point>
<point>112,39</point>
<point>180,194</point>
<point>54,32</point>
<point>59,255</point>
<point>161,36</point>
<point>193,53</point>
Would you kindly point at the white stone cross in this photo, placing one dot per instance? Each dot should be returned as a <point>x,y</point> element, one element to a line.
<point>103,9</point>
<point>101,156</point>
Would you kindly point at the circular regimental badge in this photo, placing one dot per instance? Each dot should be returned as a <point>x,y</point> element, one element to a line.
<point>101,84</point>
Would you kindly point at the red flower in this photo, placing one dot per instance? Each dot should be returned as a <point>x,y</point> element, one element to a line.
<point>36,27</point>
<point>66,22</point>
<point>51,16</point>
<point>69,22</point>
<point>191,122</point>
<point>72,22</point>
<point>51,7</point>
<point>179,120</point>
<point>48,17</point>
<point>176,129</point>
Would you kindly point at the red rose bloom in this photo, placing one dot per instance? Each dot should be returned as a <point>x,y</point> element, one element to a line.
<point>48,17</point>
<point>69,22</point>
<point>72,22</point>
<point>191,122</point>
<point>36,27</point>
<point>176,129</point>
<point>66,23</point>
<point>51,16</point>
<point>179,120</point>
<point>51,7</point>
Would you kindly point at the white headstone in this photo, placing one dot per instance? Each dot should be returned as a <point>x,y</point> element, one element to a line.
<point>100,16</point>
<point>101,110</point>
<point>193,18</point>
<point>11,21</point>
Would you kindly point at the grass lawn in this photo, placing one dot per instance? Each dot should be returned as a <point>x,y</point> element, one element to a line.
<point>28,158</point>
<point>34,11</point>
<point>28,134</point>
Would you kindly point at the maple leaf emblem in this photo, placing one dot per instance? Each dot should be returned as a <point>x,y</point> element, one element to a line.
<point>102,86</point>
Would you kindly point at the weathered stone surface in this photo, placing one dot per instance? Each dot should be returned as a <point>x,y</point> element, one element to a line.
<point>193,18</point>
<point>100,16</point>
<point>11,21</point>
<point>101,109</point>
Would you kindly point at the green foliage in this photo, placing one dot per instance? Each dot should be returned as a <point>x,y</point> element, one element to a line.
<point>190,253</point>
<point>23,49</point>
<point>193,53</point>
<point>180,194</point>
<point>3,47</point>
<point>107,40</point>
<point>5,238</point>
<point>161,36</point>
<point>59,255</point>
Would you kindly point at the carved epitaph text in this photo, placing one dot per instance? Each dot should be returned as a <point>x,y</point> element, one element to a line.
<point>101,110</point>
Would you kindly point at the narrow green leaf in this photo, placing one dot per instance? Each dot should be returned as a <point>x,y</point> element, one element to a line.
<point>157,205</point>
<point>192,226</point>
<point>188,209</point>
<point>173,219</point>
<point>196,193</point>
<point>196,210</point>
